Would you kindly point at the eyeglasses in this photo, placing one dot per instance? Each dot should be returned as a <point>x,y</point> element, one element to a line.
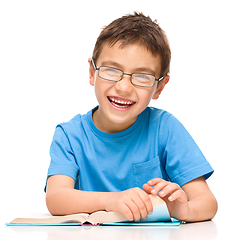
<point>116,75</point>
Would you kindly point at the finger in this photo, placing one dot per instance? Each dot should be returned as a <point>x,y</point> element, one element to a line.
<point>125,209</point>
<point>139,209</point>
<point>135,210</point>
<point>147,188</point>
<point>146,206</point>
<point>154,181</point>
<point>179,195</point>
<point>158,189</point>
<point>169,189</point>
<point>132,201</point>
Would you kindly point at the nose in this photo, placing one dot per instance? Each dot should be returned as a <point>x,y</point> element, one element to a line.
<point>124,87</point>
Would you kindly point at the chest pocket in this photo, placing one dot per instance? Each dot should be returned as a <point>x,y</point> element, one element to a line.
<point>143,172</point>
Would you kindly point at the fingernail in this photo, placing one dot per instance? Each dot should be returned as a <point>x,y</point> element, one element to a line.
<point>161,192</point>
<point>153,191</point>
<point>150,212</point>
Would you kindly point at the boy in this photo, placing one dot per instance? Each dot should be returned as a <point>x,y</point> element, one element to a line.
<point>114,156</point>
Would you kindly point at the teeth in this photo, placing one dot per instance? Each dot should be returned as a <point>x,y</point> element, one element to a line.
<point>118,105</point>
<point>120,102</point>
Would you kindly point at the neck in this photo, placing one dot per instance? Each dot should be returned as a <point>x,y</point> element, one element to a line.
<point>105,125</point>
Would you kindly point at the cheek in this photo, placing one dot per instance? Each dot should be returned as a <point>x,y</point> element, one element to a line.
<point>100,89</point>
<point>98,92</point>
<point>145,95</point>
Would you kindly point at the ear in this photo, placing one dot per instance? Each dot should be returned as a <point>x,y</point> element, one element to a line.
<point>161,86</point>
<point>91,73</point>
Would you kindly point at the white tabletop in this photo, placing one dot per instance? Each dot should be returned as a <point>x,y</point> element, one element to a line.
<point>204,230</point>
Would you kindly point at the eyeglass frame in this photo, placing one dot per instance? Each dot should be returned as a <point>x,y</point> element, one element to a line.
<point>121,77</point>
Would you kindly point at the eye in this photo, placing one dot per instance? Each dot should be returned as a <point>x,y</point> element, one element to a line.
<point>111,71</point>
<point>142,77</point>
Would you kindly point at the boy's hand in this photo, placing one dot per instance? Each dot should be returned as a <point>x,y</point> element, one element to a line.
<point>134,203</point>
<point>173,195</point>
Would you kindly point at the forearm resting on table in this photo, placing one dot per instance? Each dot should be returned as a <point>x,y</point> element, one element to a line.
<point>202,208</point>
<point>63,199</point>
<point>202,203</point>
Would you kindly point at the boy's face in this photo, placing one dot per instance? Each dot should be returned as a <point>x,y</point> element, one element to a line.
<point>121,102</point>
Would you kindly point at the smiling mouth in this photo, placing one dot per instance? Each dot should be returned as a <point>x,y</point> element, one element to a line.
<point>120,102</point>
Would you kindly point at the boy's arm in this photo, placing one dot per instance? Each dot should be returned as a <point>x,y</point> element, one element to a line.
<point>63,199</point>
<point>191,203</point>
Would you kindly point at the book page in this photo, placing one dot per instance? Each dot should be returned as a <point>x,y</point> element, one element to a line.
<point>156,201</point>
<point>77,218</point>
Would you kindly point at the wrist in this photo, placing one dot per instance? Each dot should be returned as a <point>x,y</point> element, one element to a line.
<point>188,216</point>
<point>104,201</point>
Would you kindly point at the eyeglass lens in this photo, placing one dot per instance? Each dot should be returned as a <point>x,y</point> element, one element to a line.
<point>113,74</point>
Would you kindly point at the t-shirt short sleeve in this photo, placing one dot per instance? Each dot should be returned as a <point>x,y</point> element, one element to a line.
<point>182,157</point>
<point>63,161</point>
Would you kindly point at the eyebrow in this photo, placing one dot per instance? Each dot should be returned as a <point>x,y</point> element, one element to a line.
<point>111,63</point>
<point>136,70</point>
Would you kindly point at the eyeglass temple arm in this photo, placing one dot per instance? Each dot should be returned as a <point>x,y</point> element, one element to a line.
<point>160,79</point>
<point>93,63</point>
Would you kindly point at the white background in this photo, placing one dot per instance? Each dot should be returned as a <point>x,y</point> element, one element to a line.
<point>44,48</point>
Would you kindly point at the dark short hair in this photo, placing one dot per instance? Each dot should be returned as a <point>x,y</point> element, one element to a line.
<point>136,28</point>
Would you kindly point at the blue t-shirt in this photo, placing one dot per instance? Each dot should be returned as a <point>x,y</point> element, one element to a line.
<point>156,146</point>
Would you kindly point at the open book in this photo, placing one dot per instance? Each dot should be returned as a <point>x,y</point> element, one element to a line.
<point>160,214</point>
